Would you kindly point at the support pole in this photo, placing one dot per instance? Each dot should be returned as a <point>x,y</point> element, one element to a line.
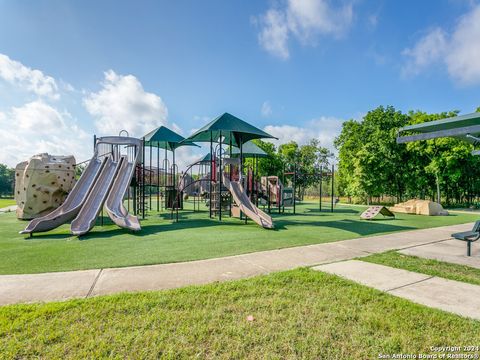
<point>211,176</point>
<point>320,189</point>
<point>150,180</point>
<point>143,179</point>
<point>230,176</point>
<point>294,187</point>
<point>158,178</point>
<point>333,183</point>
<point>220,179</point>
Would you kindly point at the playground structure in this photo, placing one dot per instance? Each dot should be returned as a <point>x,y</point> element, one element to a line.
<point>127,178</point>
<point>104,182</point>
<point>225,177</point>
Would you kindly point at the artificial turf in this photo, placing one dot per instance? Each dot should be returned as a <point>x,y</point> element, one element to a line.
<point>426,266</point>
<point>289,315</point>
<point>194,237</point>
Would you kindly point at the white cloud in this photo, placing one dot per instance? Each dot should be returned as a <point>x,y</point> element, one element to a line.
<point>28,79</point>
<point>427,50</point>
<point>457,50</point>
<point>266,109</point>
<point>464,53</point>
<point>274,34</point>
<point>306,20</point>
<point>324,128</point>
<point>122,103</point>
<point>40,128</point>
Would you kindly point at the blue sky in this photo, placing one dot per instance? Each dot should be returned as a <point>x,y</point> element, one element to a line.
<point>298,68</point>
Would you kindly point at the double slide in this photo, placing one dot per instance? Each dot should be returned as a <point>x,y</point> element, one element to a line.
<point>245,205</point>
<point>103,183</point>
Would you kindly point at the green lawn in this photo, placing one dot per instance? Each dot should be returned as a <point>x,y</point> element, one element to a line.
<point>297,314</point>
<point>6,202</point>
<point>194,237</point>
<point>425,266</point>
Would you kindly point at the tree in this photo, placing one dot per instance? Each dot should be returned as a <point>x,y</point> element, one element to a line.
<point>267,166</point>
<point>371,163</point>
<point>7,177</point>
<point>307,160</point>
<point>438,157</point>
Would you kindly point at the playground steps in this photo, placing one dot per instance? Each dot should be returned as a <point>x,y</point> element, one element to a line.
<point>373,211</point>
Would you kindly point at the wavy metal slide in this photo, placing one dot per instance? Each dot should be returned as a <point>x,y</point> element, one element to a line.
<point>114,204</point>
<point>87,216</point>
<point>246,206</point>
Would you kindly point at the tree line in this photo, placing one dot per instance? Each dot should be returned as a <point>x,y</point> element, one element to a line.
<point>371,165</point>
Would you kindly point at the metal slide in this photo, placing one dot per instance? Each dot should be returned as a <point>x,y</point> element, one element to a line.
<point>72,205</point>
<point>114,204</point>
<point>246,206</point>
<point>85,219</point>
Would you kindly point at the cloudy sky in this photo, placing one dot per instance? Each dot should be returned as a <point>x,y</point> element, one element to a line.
<point>298,68</point>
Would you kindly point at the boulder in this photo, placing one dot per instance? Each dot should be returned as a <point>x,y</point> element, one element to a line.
<point>42,184</point>
<point>419,207</point>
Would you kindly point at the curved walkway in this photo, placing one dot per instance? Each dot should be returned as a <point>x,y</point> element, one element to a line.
<point>86,283</point>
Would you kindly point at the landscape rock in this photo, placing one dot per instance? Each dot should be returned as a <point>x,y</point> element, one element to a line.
<point>419,207</point>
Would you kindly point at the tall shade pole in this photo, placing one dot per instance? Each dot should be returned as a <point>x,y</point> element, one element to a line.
<point>150,177</point>
<point>320,188</point>
<point>333,181</point>
<point>220,179</point>
<point>158,177</point>
<point>143,179</point>
<point>211,175</point>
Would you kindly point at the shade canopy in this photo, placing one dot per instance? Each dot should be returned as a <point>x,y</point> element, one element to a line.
<point>249,149</point>
<point>231,128</point>
<point>464,127</point>
<point>205,159</point>
<point>165,138</point>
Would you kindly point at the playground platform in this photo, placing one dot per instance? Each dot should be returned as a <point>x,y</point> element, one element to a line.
<point>83,284</point>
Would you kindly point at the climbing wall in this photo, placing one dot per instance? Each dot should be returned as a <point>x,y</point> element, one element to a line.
<point>373,211</point>
<point>42,184</point>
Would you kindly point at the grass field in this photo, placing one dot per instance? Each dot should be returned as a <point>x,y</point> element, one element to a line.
<point>6,202</point>
<point>297,314</point>
<point>194,237</point>
<point>425,266</point>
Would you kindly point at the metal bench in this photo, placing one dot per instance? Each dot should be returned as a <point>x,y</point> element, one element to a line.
<point>469,236</point>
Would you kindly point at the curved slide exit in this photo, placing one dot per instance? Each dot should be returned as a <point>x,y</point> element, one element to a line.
<point>114,204</point>
<point>87,216</point>
<point>246,206</point>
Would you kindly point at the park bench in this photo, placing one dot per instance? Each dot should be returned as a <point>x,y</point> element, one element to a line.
<point>469,236</point>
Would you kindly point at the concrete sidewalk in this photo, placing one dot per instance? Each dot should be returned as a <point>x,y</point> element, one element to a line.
<point>8,209</point>
<point>453,296</point>
<point>82,284</point>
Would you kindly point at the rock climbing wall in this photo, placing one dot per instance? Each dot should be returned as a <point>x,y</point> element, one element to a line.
<point>42,184</point>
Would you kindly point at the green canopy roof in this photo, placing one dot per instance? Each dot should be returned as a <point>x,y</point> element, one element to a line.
<point>206,159</point>
<point>165,138</point>
<point>231,128</point>
<point>249,149</point>
<point>464,127</point>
